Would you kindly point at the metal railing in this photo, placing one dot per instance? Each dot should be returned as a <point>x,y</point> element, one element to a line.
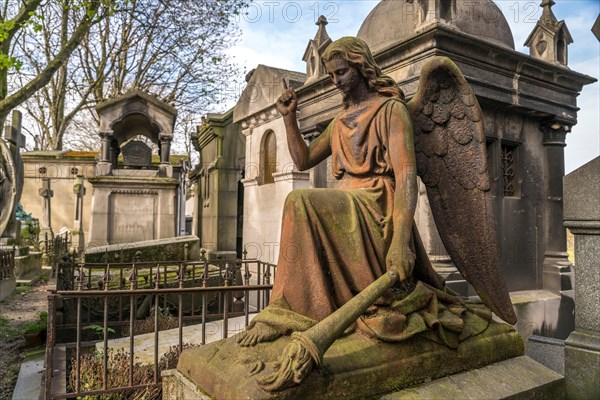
<point>54,249</point>
<point>195,292</point>
<point>7,264</point>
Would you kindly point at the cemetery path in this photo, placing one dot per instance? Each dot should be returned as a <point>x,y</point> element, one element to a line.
<point>17,312</point>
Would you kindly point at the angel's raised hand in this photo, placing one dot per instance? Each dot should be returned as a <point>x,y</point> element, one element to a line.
<point>287,102</point>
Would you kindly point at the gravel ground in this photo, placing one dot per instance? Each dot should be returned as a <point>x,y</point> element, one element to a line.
<point>22,307</point>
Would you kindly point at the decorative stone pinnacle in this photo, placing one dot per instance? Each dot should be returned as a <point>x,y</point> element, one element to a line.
<point>321,36</point>
<point>322,21</point>
<point>548,16</point>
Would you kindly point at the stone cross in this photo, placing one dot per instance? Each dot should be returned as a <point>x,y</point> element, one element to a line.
<point>47,193</point>
<point>13,134</point>
<point>77,234</point>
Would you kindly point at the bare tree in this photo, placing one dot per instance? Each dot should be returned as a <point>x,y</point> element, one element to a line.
<point>173,49</point>
<point>22,19</point>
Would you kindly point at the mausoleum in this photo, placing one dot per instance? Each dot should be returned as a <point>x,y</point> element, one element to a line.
<point>529,103</point>
<point>134,201</point>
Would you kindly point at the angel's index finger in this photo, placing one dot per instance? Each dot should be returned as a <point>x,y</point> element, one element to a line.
<point>284,84</point>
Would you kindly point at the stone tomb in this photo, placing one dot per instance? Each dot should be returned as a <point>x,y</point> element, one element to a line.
<point>133,200</point>
<point>355,367</point>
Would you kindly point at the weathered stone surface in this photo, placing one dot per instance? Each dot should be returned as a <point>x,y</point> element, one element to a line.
<point>132,208</point>
<point>137,154</point>
<point>496,381</point>
<point>580,187</point>
<point>28,265</point>
<point>548,352</point>
<point>391,22</point>
<point>582,347</point>
<point>582,365</point>
<point>151,250</point>
<point>354,365</point>
<point>587,285</point>
<point>6,287</point>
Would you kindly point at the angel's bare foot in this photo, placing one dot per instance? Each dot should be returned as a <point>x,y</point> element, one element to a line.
<point>259,333</point>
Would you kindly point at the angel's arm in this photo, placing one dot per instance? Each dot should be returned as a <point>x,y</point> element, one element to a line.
<point>304,157</point>
<point>402,158</point>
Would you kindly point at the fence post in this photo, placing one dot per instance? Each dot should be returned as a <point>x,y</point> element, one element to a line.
<point>50,341</point>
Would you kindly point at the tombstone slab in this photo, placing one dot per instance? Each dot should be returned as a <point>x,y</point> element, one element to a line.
<point>137,154</point>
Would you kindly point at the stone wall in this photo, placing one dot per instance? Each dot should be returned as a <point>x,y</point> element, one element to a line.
<point>62,167</point>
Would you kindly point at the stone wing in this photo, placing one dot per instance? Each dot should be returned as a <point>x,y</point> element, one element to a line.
<point>452,163</point>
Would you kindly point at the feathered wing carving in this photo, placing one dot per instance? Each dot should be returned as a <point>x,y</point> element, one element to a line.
<point>452,163</point>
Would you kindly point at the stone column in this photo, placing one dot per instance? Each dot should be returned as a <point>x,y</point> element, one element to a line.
<point>165,168</point>
<point>47,193</point>
<point>582,217</point>
<point>115,150</point>
<point>77,233</point>
<point>557,275</point>
<point>104,167</point>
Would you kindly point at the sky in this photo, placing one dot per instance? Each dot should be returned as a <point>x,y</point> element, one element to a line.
<point>276,32</point>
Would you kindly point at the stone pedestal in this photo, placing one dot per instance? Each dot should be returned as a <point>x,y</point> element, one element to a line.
<point>355,367</point>
<point>582,217</point>
<point>496,381</point>
<point>132,207</point>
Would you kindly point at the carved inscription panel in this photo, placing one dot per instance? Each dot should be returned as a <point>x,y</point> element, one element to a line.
<point>132,217</point>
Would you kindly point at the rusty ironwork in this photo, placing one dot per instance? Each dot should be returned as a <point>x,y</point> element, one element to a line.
<point>7,264</point>
<point>56,249</point>
<point>99,296</point>
<point>508,169</point>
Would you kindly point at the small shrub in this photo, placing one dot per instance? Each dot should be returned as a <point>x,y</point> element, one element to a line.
<point>165,322</point>
<point>38,326</point>
<point>7,331</point>
<point>24,289</point>
<point>99,330</point>
<point>45,276</point>
<point>91,374</point>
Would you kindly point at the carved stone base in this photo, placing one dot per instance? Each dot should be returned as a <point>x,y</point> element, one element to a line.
<point>496,381</point>
<point>77,241</point>
<point>355,366</point>
<point>559,277</point>
<point>582,358</point>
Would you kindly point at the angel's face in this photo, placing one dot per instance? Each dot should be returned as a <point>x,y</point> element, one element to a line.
<point>344,76</point>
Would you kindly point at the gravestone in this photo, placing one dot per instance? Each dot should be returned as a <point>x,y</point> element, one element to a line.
<point>77,233</point>
<point>46,193</point>
<point>582,217</point>
<point>137,154</point>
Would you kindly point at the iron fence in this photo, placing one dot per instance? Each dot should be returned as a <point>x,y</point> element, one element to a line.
<point>108,298</point>
<point>7,264</point>
<point>54,249</point>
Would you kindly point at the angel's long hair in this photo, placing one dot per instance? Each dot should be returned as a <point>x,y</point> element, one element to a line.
<point>356,52</point>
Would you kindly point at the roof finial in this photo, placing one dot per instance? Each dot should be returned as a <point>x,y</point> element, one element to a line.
<point>322,21</point>
<point>548,16</point>
<point>321,35</point>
